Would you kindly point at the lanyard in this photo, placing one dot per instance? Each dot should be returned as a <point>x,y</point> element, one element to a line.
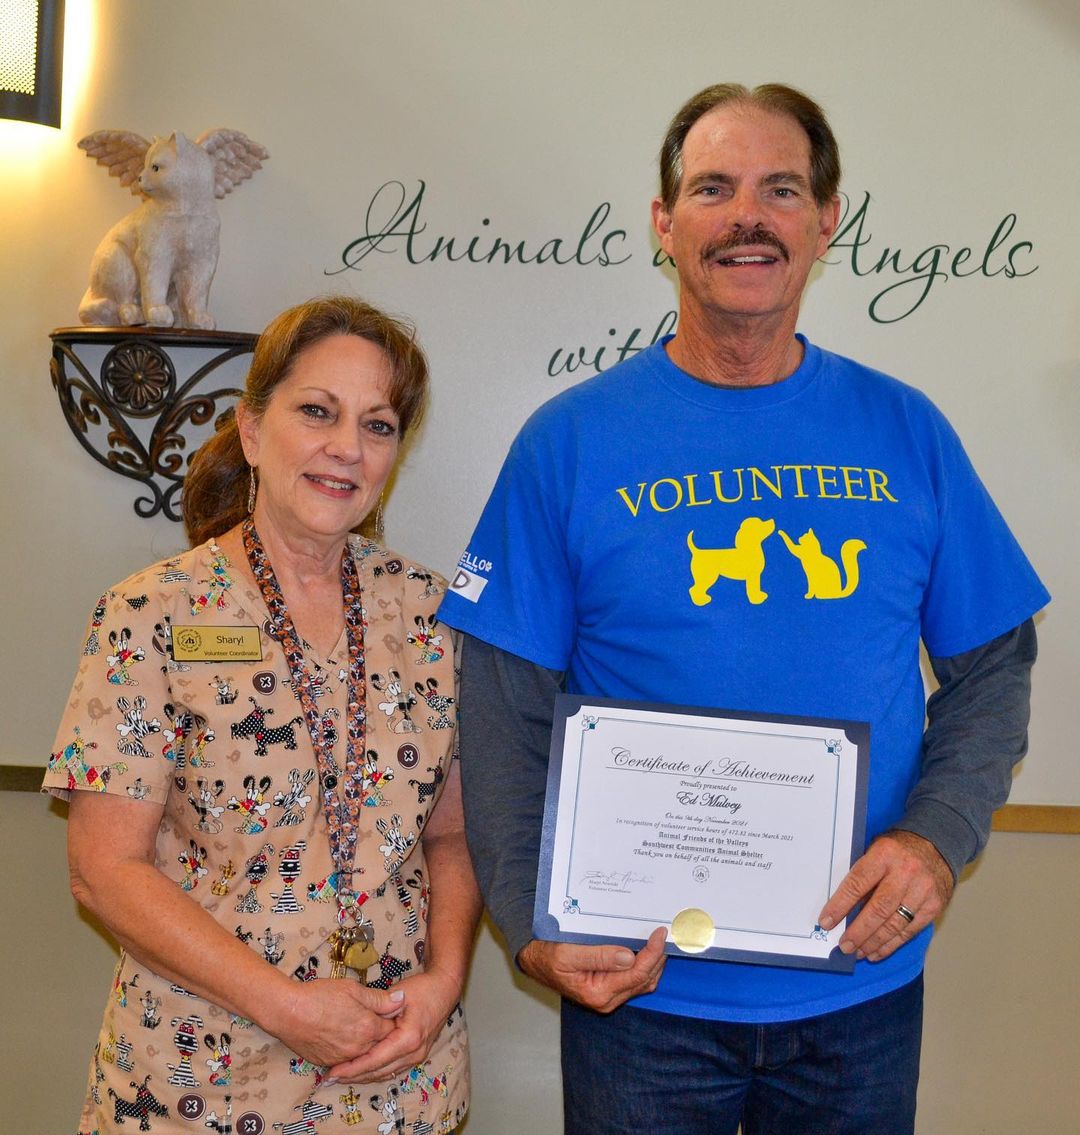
<point>341,791</point>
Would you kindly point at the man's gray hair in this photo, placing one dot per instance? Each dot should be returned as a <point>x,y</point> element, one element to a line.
<point>773,97</point>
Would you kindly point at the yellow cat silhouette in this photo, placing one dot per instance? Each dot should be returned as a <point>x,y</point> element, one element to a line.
<point>822,574</point>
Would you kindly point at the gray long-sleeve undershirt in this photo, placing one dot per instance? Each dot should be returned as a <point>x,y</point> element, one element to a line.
<point>976,732</point>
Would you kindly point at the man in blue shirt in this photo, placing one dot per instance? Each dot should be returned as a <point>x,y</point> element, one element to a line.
<point>848,525</point>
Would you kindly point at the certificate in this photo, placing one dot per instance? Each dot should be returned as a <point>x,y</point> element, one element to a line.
<point>730,829</point>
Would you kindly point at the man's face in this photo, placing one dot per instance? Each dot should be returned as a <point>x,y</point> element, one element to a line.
<point>745,230</point>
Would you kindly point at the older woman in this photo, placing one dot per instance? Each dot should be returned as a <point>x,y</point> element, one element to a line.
<point>264,809</point>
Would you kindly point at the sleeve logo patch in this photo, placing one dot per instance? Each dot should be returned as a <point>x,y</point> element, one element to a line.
<point>468,585</point>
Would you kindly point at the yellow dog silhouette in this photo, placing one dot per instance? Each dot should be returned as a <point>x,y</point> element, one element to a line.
<point>744,562</point>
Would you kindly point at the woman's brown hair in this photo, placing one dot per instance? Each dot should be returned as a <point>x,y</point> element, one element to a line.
<point>216,485</point>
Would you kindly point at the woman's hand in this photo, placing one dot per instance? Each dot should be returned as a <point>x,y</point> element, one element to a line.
<point>430,998</point>
<point>336,1020</point>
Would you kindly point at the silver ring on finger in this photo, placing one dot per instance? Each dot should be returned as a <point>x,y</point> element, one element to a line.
<point>907,915</point>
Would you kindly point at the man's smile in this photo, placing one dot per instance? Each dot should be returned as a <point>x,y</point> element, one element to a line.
<point>757,247</point>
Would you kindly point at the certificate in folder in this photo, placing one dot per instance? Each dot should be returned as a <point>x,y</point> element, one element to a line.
<point>730,829</point>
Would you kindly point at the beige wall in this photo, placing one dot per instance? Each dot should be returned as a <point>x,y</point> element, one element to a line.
<point>531,116</point>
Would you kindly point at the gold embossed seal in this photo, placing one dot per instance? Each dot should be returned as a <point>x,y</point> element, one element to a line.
<point>692,930</point>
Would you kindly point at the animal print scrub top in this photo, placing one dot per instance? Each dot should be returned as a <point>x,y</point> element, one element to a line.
<point>223,747</point>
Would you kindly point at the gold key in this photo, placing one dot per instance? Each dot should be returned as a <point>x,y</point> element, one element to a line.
<point>340,941</point>
<point>352,948</point>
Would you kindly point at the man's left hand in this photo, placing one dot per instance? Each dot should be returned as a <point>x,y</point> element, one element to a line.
<point>899,870</point>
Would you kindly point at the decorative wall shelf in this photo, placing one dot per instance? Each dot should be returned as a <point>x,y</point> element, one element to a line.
<point>134,398</point>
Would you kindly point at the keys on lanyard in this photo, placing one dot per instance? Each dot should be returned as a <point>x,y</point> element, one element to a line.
<point>352,948</point>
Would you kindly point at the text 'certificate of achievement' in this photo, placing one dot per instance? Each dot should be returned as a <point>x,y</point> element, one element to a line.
<point>730,829</point>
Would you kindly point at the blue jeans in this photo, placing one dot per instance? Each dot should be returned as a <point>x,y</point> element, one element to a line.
<point>850,1072</point>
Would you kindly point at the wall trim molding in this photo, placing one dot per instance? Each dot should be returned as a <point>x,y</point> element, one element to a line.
<point>1048,819</point>
<point>20,778</point>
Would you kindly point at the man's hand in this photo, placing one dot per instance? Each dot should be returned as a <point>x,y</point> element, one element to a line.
<point>598,977</point>
<point>899,869</point>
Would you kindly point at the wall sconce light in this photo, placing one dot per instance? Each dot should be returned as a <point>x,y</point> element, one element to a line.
<point>31,60</point>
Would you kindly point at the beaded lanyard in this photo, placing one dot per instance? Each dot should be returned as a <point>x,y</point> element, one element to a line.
<point>342,808</point>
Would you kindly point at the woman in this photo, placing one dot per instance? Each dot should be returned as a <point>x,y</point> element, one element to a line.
<point>270,819</point>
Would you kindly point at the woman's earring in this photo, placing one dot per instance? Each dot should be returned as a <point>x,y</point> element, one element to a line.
<point>252,485</point>
<point>380,534</point>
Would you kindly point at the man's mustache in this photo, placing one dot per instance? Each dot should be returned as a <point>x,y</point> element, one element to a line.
<point>741,239</point>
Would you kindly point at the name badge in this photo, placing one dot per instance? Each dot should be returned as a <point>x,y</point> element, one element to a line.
<point>216,644</point>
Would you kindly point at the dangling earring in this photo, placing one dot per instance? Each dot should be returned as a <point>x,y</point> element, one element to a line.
<point>380,534</point>
<point>252,486</point>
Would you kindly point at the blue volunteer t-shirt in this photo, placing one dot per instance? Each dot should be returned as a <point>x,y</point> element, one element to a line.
<point>848,521</point>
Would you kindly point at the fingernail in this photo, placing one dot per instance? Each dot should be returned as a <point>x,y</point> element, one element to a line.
<point>330,1081</point>
<point>847,947</point>
<point>825,922</point>
<point>624,959</point>
<point>397,995</point>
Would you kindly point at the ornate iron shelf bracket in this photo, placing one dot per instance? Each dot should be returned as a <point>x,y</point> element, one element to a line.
<point>131,412</point>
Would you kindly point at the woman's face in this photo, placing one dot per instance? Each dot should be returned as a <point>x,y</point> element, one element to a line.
<point>326,442</point>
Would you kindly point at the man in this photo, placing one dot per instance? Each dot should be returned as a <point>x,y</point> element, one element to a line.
<point>859,527</point>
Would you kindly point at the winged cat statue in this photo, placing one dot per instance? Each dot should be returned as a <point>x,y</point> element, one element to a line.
<point>155,265</point>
